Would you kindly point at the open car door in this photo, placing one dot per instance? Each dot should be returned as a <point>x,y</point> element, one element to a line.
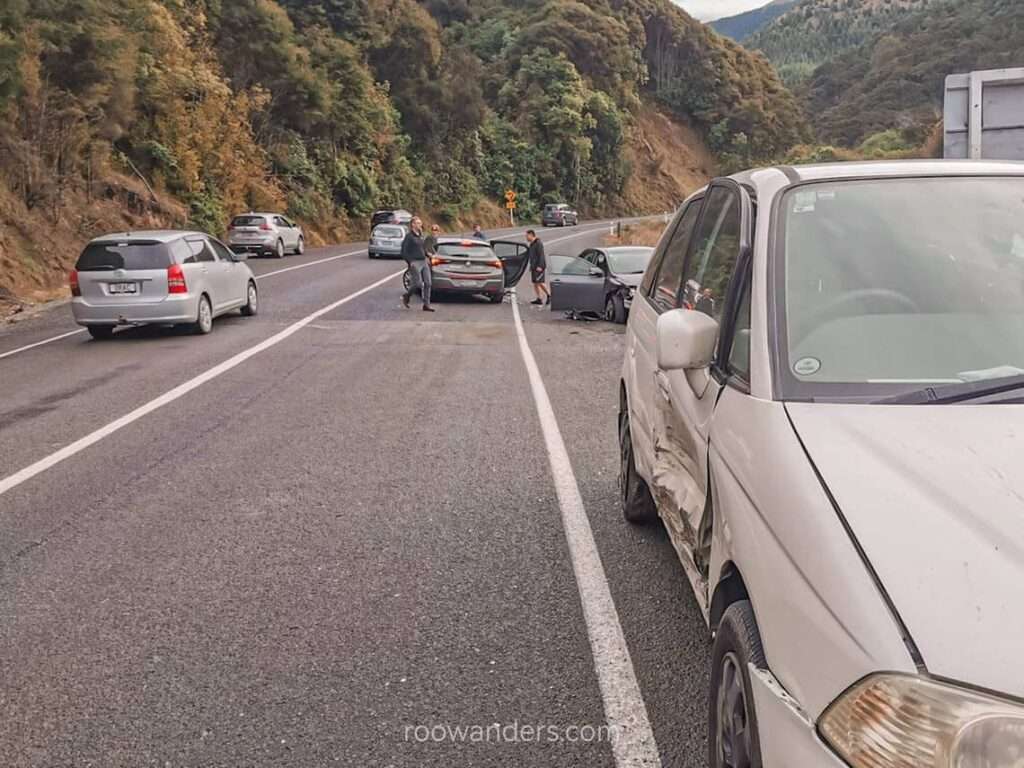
<point>513,259</point>
<point>575,285</point>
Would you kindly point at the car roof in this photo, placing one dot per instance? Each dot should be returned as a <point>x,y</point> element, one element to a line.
<point>879,169</point>
<point>462,240</point>
<point>258,213</point>
<point>157,235</point>
<point>617,248</point>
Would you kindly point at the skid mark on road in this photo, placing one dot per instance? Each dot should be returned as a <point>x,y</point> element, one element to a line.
<point>624,708</point>
<point>12,481</point>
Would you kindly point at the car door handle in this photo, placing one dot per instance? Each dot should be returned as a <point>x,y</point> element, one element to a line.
<point>662,381</point>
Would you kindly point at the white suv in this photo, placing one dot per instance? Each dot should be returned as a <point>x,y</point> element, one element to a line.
<point>822,399</point>
<point>265,233</point>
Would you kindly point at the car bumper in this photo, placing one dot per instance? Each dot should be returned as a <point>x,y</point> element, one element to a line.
<point>465,285</point>
<point>170,310</point>
<point>253,246</point>
<point>788,738</point>
<point>376,250</point>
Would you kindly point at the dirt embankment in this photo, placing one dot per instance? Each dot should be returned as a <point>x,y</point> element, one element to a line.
<point>669,161</point>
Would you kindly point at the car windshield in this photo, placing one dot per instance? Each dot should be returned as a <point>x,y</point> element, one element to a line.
<point>892,285</point>
<point>629,261</point>
<point>247,221</point>
<point>113,255</point>
<point>389,232</point>
<point>469,252</point>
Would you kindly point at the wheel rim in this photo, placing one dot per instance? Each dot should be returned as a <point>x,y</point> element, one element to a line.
<point>302,246</point>
<point>625,457</point>
<point>205,315</point>
<point>280,248</point>
<point>253,298</point>
<point>609,309</point>
<point>733,726</point>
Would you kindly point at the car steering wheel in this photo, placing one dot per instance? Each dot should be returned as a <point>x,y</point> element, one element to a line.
<point>840,306</point>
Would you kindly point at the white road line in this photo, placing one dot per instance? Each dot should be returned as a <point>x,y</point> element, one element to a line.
<point>40,343</point>
<point>633,744</point>
<point>80,445</point>
<point>258,277</point>
<point>309,264</point>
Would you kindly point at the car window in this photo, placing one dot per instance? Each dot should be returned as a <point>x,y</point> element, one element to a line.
<point>201,252</point>
<point>221,251</point>
<point>467,251</point>
<point>629,261</point>
<point>739,353</point>
<point>124,255</point>
<point>568,265</point>
<point>388,231</point>
<point>713,260</point>
<point>181,252</point>
<point>247,221</point>
<point>280,222</point>
<point>665,291</point>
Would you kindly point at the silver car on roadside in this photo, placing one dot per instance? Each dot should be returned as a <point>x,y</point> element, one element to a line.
<point>159,277</point>
<point>386,241</point>
<point>468,266</point>
<point>268,234</point>
<point>822,398</point>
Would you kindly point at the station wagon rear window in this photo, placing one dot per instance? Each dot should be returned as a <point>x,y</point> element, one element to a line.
<point>385,231</point>
<point>469,252</point>
<point>124,255</point>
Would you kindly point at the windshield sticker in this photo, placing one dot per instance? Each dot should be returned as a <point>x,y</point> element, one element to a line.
<point>804,201</point>
<point>807,366</point>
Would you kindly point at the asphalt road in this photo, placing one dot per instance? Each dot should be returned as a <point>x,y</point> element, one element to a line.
<point>346,549</point>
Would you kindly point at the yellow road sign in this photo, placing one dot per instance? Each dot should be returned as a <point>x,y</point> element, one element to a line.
<point>510,195</point>
<point>511,205</point>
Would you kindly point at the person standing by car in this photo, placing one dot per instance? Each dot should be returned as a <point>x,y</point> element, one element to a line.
<point>478,233</point>
<point>414,253</point>
<point>430,242</point>
<point>538,268</point>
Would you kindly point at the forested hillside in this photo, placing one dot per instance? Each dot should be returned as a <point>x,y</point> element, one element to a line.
<point>894,83</point>
<point>130,113</point>
<point>743,25</point>
<point>816,31</point>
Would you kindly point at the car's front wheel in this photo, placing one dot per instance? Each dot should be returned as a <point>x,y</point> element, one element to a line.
<point>100,332</point>
<point>279,249</point>
<point>204,317</point>
<point>733,740</point>
<point>637,503</point>
<point>252,304</point>
<point>615,309</point>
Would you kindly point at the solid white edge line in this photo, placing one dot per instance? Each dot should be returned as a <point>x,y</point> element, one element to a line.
<point>40,343</point>
<point>633,744</point>
<point>12,481</point>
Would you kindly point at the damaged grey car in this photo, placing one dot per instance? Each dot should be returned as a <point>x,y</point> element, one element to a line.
<point>822,399</point>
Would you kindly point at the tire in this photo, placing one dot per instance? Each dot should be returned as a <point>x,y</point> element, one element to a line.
<point>496,298</point>
<point>371,254</point>
<point>100,332</point>
<point>252,305</point>
<point>204,317</point>
<point>637,503</point>
<point>301,247</point>
<point>615,309</point>
<point>279,250</point>
<point>733,740</point>
<point>405,281</point>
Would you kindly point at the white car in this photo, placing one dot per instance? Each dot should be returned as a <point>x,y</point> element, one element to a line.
<point>823,400</point>
<point>269,234</point>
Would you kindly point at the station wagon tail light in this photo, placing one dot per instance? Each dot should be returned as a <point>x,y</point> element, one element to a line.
<point>176,279</point>
<point>901,721</point>
<point>73,282</point>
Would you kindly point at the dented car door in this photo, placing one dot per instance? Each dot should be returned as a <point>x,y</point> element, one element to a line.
<point>685,399</point>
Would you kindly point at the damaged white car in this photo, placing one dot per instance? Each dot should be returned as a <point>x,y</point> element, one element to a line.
<point>821,398</point>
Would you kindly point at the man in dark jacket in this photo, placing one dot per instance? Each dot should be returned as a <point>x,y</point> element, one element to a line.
<point>478,233</point>
<point>538,268</point>
<point>415,254</point>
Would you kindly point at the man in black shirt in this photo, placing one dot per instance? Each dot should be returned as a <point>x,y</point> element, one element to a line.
<point>414,252</point>
<point>538,268</point>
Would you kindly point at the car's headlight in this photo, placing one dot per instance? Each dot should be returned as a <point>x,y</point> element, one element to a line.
<point>898,721</point>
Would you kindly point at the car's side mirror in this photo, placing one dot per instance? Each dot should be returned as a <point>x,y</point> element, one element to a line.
<point>686,340</point>
<point>595,272</point>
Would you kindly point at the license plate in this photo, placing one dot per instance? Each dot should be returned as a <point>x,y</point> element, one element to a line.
<point>124,288</point>
<point>467,283</point>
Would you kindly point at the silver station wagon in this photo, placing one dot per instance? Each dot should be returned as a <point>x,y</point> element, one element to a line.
<point>823,400</point>
<point>165,277</point>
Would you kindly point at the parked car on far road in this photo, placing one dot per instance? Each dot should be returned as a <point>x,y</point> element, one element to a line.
<point>559,215</point>
<point>386,241</point>
<point>822,398</point>
<point>269,234</point>
<point>163,277</point>
<point>390,216</point>
<point>467,266</point>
